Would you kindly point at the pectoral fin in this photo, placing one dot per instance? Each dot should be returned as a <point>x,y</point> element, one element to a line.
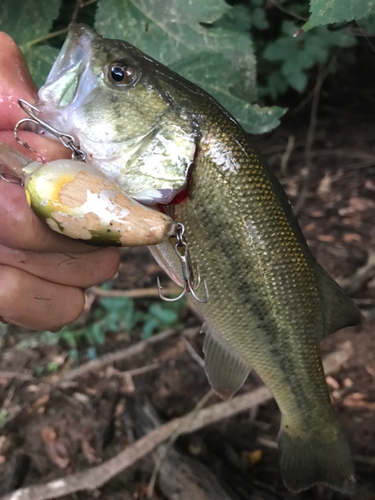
<point>225,370</point>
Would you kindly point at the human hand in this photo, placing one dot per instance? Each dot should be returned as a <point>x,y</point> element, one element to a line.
<point>42,274</point>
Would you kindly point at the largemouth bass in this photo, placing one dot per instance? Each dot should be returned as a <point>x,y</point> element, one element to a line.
<point>167,142</point>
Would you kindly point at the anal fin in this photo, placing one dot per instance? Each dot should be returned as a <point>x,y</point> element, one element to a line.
<point>226,371</point>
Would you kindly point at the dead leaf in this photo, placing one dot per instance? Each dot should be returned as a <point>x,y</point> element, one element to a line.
<point>357,400</point>
<point>325,184</point>
<point>172,352</point>
<point>48,434</point>
<point>350,237</point>
<point>348,382</point>
<point>89,452</point>
<point>331,382</point>
<point>40,404</point>
<point>356,204</point>
<point>251,457</point>
<point>56,449</point>
<point>5,445</point>
<point>369,185</point>
<point>291,189</point>
<point>310,227</point>
<point>127,384</point>
<point>82,398</point>
<point>317,213</point>
<point>328,238</point>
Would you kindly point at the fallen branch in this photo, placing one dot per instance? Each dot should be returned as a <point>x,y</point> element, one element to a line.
<point>360,278</point>
<point>19,376</point>
<point>309,142</point>
<point>136,293</point>
<point>121,355</point>
<point>101,474</point>
<point>286,155</point>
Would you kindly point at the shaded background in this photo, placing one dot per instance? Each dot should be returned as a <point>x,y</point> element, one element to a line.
<point>324,155</point>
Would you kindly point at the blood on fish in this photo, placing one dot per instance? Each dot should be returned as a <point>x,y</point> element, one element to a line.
<point>181,196</point>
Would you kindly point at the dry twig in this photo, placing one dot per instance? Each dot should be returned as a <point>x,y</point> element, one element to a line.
<point>121,355</point>
<point>19,376</point>
<point>361,277</point>
<point>286,155</point>
<point>136,293</point>
<point>310,140</point>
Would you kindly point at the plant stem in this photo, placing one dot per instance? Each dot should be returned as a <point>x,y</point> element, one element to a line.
<point>43,38</point>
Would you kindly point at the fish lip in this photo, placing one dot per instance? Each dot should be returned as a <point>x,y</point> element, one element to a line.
<point>79,37</point>
<point>73,58</point>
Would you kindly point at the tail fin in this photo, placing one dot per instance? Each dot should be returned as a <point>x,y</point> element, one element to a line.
<point>311,460</point>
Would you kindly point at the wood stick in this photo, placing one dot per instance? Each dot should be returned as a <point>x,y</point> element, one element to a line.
<point>19,376</point>
<point>135,293</point>
<point>121,355</point>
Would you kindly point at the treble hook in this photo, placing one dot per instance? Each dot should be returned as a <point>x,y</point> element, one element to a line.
<point>182,252</point>
<point>10,178</point>
<point>66,140</point>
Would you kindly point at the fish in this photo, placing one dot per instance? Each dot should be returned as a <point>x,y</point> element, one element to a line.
<point>169,144</point>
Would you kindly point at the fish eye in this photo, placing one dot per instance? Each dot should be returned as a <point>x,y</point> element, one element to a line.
<point>121,73</point>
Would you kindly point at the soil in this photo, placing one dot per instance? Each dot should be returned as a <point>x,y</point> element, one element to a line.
<point>47,434</point>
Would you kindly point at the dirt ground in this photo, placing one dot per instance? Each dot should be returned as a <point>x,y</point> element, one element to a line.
<point>50,431</point>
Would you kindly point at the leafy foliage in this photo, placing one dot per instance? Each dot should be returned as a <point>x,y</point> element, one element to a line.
<point>204,41</point>
<point>294,55</point>
<point>28,23</point>
<point>338,11</point>
<point>286,54</point>
<point>113,315</point>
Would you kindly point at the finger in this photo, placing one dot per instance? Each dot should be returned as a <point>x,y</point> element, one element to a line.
<point>73,269</point>
<point>21,229</point>
<point>35,303</point>
<point>15,83</point>
<point>45,149</point>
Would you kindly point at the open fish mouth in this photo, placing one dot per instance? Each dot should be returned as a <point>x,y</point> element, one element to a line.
<point>70,78</point>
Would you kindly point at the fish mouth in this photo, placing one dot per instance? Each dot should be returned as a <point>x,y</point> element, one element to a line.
<point>70,78</point>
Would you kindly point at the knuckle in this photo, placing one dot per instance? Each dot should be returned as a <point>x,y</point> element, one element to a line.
<point>72,310</point>
<point>10,286</point>
<point>110,263</point>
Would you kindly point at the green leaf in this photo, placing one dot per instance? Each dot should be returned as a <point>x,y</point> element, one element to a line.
<point>70,338</point>
<point>26,23</point>
<point>205,41</point>
<point>338,11</point>
<point>29,20</point>
<point>368,25</point>
<point>212,71</point>
<point>163,314</point>
<point>40,60</point>
<point>95,334</point>
<point>117,304</point>
<point>259,19</point>
<point>149,328</point>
